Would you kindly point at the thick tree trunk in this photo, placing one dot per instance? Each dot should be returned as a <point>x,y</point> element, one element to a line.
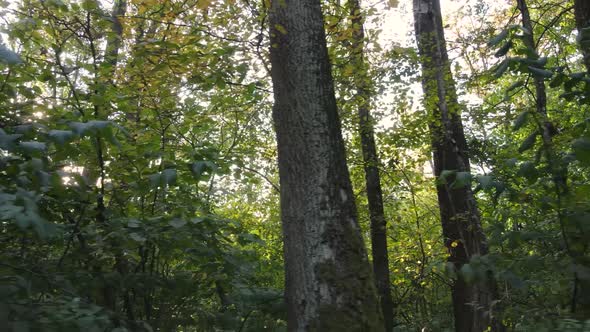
<point>582,13</point>
<point>473,304</point>
<point>371,166</point>
<point>329,285</point>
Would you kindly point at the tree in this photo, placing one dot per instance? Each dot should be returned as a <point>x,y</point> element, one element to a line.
<point>582,15</point>
<point>371,164</point>
<point>473,303</point>
<point>571,231</point>
<point>328,279</point>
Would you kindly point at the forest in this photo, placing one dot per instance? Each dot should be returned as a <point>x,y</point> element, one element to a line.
<point>294,165</point>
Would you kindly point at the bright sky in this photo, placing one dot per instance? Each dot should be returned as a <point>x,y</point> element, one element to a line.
<point>399,22</point>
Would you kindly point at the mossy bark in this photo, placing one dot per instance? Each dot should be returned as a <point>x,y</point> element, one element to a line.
<point>328,276</point>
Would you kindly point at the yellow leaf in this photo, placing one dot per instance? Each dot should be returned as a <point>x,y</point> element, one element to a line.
<point>393,3</point>
<point>348,70</point>
<point>281,29</point>
<point>203,4</point>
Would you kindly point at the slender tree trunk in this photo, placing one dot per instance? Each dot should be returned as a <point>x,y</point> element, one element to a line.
<point>581,293</point>
<point>582,13</point>
<point>580,303</point>
<point>115,39</point>
<point>110,58</point>
<point>329,284</point>
<point>473,304</point>
<point>546,127</point>
<point>371,166</point>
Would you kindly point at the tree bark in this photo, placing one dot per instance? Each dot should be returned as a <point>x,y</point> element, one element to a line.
<point>371,166</point>
<point>473,303</point>
<point>582,14</point>
<point>329,285</point>
<point>115,39</point>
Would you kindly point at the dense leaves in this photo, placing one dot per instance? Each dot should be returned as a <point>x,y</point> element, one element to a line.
<point>138,187</point>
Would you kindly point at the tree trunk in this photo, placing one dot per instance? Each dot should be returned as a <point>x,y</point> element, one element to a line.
<point>111,58</point>
<point>546,127</point>
<point>329,285</point>
<point>580,303</point>
<point>581,297</point>
<point>114,40</point>
<point>473,304</point>
<point>582,13</point>
<point>371,163</point>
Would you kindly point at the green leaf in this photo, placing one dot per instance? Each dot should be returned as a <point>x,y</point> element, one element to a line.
<point>520,121</point>
<point>24,129</point>
<point>61,136</point>
<point>485,181</point>
<point>164,178</point>
<point>462,179</point>
<point>450,270</point>
<point>528,170</point>
<point>537,63</point>
<point>504,49</point>
<point>33,146</point>
<point>133,223</point>
<point>7,141</point>
<point>581,148</point>
<point>177,222</point>
<point>137,237</point>
<point>155,179</point>
<point>515,85</point>
<point>94,126</point>
<point>444,176</point>
<point>578,75</point>
<point>197,220</point>
<point>8,56</point>
<point>200,167</point>
<point>498,38</point>
<point>542,73</point>
<point>528,143</point>
<point>169,176</point>
<point>514,280</point>
<point>501,68</point>
<point>467,273</point>
<point>511,162</point>
<point>23,220</point>
<point>557,80</point>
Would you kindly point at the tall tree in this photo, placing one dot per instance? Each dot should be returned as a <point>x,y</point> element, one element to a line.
<point>328,278</point>
<point>362,83</point>
<point>582,14</point>
<point>473,303</point>
<point>571,231</point>
<point>546,127</point>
